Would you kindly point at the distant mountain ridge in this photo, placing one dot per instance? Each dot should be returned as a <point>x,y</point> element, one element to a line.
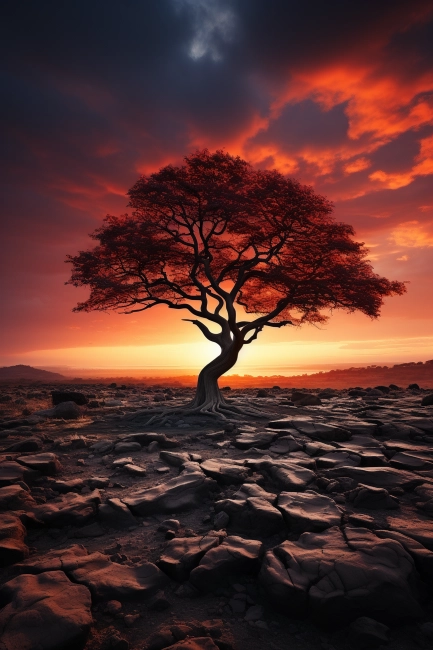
<point>15,373</point>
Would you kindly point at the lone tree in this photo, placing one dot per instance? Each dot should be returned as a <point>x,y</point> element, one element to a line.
<point>216,234</point>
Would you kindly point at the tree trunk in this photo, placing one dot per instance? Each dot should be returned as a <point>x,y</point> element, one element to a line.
<point>208,393</point>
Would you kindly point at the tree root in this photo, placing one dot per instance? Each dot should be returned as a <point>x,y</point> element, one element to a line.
<point>219,410</point>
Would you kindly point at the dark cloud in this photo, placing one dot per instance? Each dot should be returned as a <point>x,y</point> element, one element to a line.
<point>95,93</point>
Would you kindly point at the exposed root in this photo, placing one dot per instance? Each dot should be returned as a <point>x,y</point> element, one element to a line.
<point>220,410</point>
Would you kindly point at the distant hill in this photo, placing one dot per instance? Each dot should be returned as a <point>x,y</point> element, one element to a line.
<point>15,373</point>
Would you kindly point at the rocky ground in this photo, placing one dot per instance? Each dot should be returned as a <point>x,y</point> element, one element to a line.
<point>309,528</point>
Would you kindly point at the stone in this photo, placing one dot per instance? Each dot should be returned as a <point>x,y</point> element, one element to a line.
<point>315,430</point>
<point>95,482</point>
<point>64,559</point>
<point>147,437</point>
<point>175,459</point>
<point>285,445</point>
<point>184,492</point>
<point>102,446</point>
<point>308,511</point>
<point>46,463</point>
<point>15,497</point>
<point>29,444</point>
<point>110,580</point>
<point>126,447</point>
<point>366,496</point>
<point>308,400</point>
<point>235,555</point>
<point>71,508</point>
<point>422,557</point>
<point>59,396</point>
<point>382,477</point>
<point>183,554</point>
<point>12,472</point>
<point>403,460</point>
<point>72,485</point>
<point>366,633</point>
<point>44,612</point>
<point>252,516</point>
<point>427,400</point>
<point>135,470</point>
<point>337,578</point>
<point>67,411</point>
<point>221,520</point>
<point>12,535</point>
<point>116,514</point>
<point>226,472</point>
<point>258,439</point>
<point>398,431</point>
<point>425,424</point>
<point>285,474</point>
<point>420,530</point>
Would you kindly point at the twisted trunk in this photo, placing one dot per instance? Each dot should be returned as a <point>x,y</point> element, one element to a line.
<point>208,394</point>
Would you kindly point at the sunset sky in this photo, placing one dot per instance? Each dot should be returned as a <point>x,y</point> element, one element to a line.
<point>338,95</point>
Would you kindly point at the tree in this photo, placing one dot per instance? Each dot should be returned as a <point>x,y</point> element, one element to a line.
<point>214,235</point>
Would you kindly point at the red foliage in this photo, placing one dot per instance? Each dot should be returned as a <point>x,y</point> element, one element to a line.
<point>216,232</point>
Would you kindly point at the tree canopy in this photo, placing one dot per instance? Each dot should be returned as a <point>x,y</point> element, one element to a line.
<point>216,234</point>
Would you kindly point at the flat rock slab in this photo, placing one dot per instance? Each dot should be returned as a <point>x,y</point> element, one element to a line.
<point>46,463</point>
<point>44,612</point>
<point>199,643</point>
<point>145,438</point>
<point>71,508</point>
<point>371,498</point>
<point>254,516</point>
<point>65,559</point>
<point>404,460</point>
<point>12,472</point>
<point>308,511</point>
<point>29,444</point>
<point>336,579</point>
<point>15,497</point>
<point>285,474</point>
<point>12,535</point>
<point>315,430</point>
<point>116,514</point>
<point>235,555</point>
<point>419,529</point>
<point>111,581</point>
<point>258,439</point>
<point>225,472</point>
<point>423,558</point>
<point>126,447</point>
<point>184,492</point>
<point>183,554</point>
<point>173,458</point>
<point>383,477</point>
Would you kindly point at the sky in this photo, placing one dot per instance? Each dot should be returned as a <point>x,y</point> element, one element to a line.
<point>337,95</point>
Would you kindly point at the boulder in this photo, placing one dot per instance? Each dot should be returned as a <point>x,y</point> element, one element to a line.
<point>173,458</point>
<point>111,581</point>
<point>44,612</point>
<point>116,514</point>
<point>12,472</point>
<point>420,530</point>
<point>257,439</point>
<point>183,554</point>
<point>70,509</point>
<point>365,496</point>
<point>422,557</point>
<point>126,447</point>
<point>65,559</point>
<point>337,578</point>
<point>28,444</point>
<point>46,463</point>
<point>12,535</point>
<point>146,437</point>
<point>184,492</point>
<point>308,511</point>
<point>59,396</point>
<point>286,475</point>
<point>254,516</point>
<point>235,555</point>
<point>382,477</point>
<point>226,472</point>
<point>366,633</point>
<point>15,497</point>
<point>427,400</point>
<point>67,411</point>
